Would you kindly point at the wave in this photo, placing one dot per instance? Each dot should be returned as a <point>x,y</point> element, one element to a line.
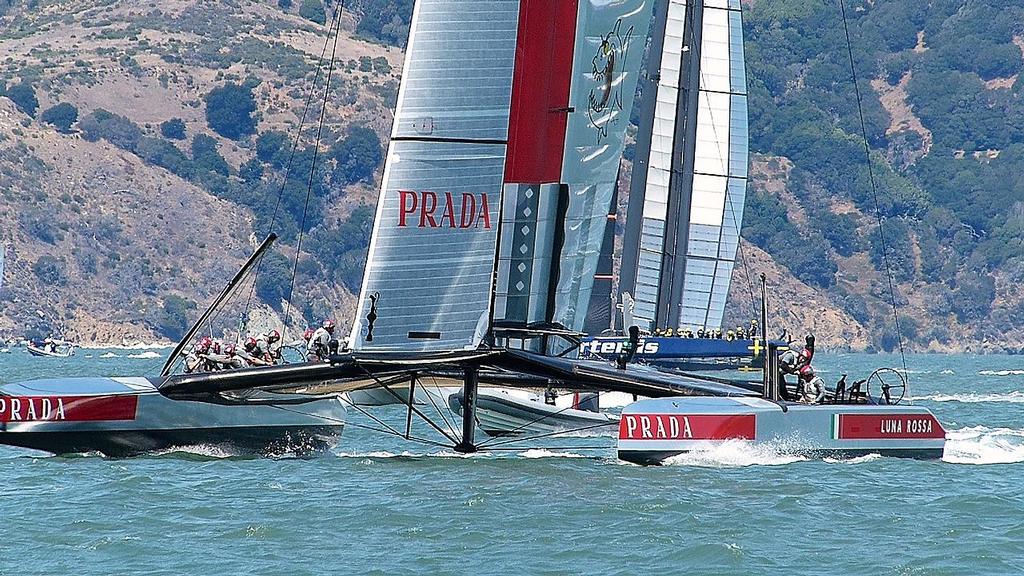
<point>735,454</point>
<point>983,445</point>
<point>858,460</point>
<point>1001,373</point>
<point>974,398</point>
<point>109,355</point>
<point>145,355</point>
<point>542,453</point>
<point>137,346</point>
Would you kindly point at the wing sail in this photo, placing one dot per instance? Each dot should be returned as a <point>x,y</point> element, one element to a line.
<point>683,230</point>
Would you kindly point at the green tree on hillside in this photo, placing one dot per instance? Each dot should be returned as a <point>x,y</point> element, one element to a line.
<point>24,97</point>
<point>313,10</point>
<point>62,116</point>
<point>357,156</point>
<point>206,157</point>
<point>229,111</point>
<point>173,129</point>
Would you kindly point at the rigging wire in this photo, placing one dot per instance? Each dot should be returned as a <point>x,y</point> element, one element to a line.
<point>284,181</point>
<point>874,192</point>
<point>316,151</point>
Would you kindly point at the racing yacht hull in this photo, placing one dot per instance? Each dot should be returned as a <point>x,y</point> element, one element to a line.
<point>654,430</point>
<point>505,412</point>
<point>128,416</point>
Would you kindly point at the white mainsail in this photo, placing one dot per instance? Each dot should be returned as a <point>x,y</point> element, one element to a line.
<point>690,192</point>
<point>510,112</point>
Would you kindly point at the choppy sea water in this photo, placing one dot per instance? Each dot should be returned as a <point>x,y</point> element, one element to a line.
<point>378,505</point>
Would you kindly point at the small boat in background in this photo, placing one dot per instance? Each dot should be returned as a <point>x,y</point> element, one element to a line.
<point>51,348</point>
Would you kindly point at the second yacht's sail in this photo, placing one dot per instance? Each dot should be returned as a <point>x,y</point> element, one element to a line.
<point>686,202</point>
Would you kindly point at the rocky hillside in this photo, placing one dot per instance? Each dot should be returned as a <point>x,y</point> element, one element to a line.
<point>146,147</point>
<point>126,203</point>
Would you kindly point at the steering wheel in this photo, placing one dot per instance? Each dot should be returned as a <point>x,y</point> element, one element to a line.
<point>292,354</point>
<point>891,383</point>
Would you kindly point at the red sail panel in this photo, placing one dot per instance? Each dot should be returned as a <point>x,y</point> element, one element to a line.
<point>540,91</point>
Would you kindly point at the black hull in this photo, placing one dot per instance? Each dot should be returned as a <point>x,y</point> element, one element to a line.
<point>247,440</point>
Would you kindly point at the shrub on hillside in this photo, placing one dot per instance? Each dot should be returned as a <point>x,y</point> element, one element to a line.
<point>313,10</point>
<point>173,129</point>
<point>284,4</point>
<point>24,97</point>
<point>173,318</point>
<point>207,158</point>
<point>229,111</point>
<point>357,156</point>
<point>62,116</point>
<point>50,271</point>
<point>386,21</point>
<point>166,155</point>
<point>274,280</point>
<point>117,130</point>
<point>269,146</point>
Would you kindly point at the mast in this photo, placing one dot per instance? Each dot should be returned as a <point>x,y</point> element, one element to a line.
<point>673,266</point>
<point>641,157</point>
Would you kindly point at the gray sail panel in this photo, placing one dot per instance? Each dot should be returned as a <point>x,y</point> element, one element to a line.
<point>648,281</point>
<point>528,230</point>
<point>453,45</point>
<point>428,278</point>
<point>610,40</point>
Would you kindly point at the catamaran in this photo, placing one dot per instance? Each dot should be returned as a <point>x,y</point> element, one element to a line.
<point>499,177</point>
<point>500,173</point>
<point>130,416</point>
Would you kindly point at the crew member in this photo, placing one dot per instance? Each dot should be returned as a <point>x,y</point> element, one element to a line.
<point>270,344</point>
<point>194,360</point>
<point>253,354</point>
<point>319,348</point>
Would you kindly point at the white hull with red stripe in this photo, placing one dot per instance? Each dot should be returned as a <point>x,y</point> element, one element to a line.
<point>128,416</point>
<point>653,430</point>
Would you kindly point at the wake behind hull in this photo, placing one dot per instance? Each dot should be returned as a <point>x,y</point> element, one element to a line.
<point>127,417</point>
<point>652,431</point>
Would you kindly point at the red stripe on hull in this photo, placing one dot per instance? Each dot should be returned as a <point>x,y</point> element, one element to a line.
<point>687,427</point>
<point>67,408</point>
<point>883,426</point>
<point>540,91</point>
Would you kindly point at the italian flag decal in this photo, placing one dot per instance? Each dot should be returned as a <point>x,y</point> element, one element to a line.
<point>835,426</point>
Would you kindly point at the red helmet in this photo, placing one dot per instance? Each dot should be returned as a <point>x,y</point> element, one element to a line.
<point>204,344</point>
<point>229,349</point>
<point>250,343</point>
<point>307,334</point>
<point>273,336</point>
<point>329,325</point>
